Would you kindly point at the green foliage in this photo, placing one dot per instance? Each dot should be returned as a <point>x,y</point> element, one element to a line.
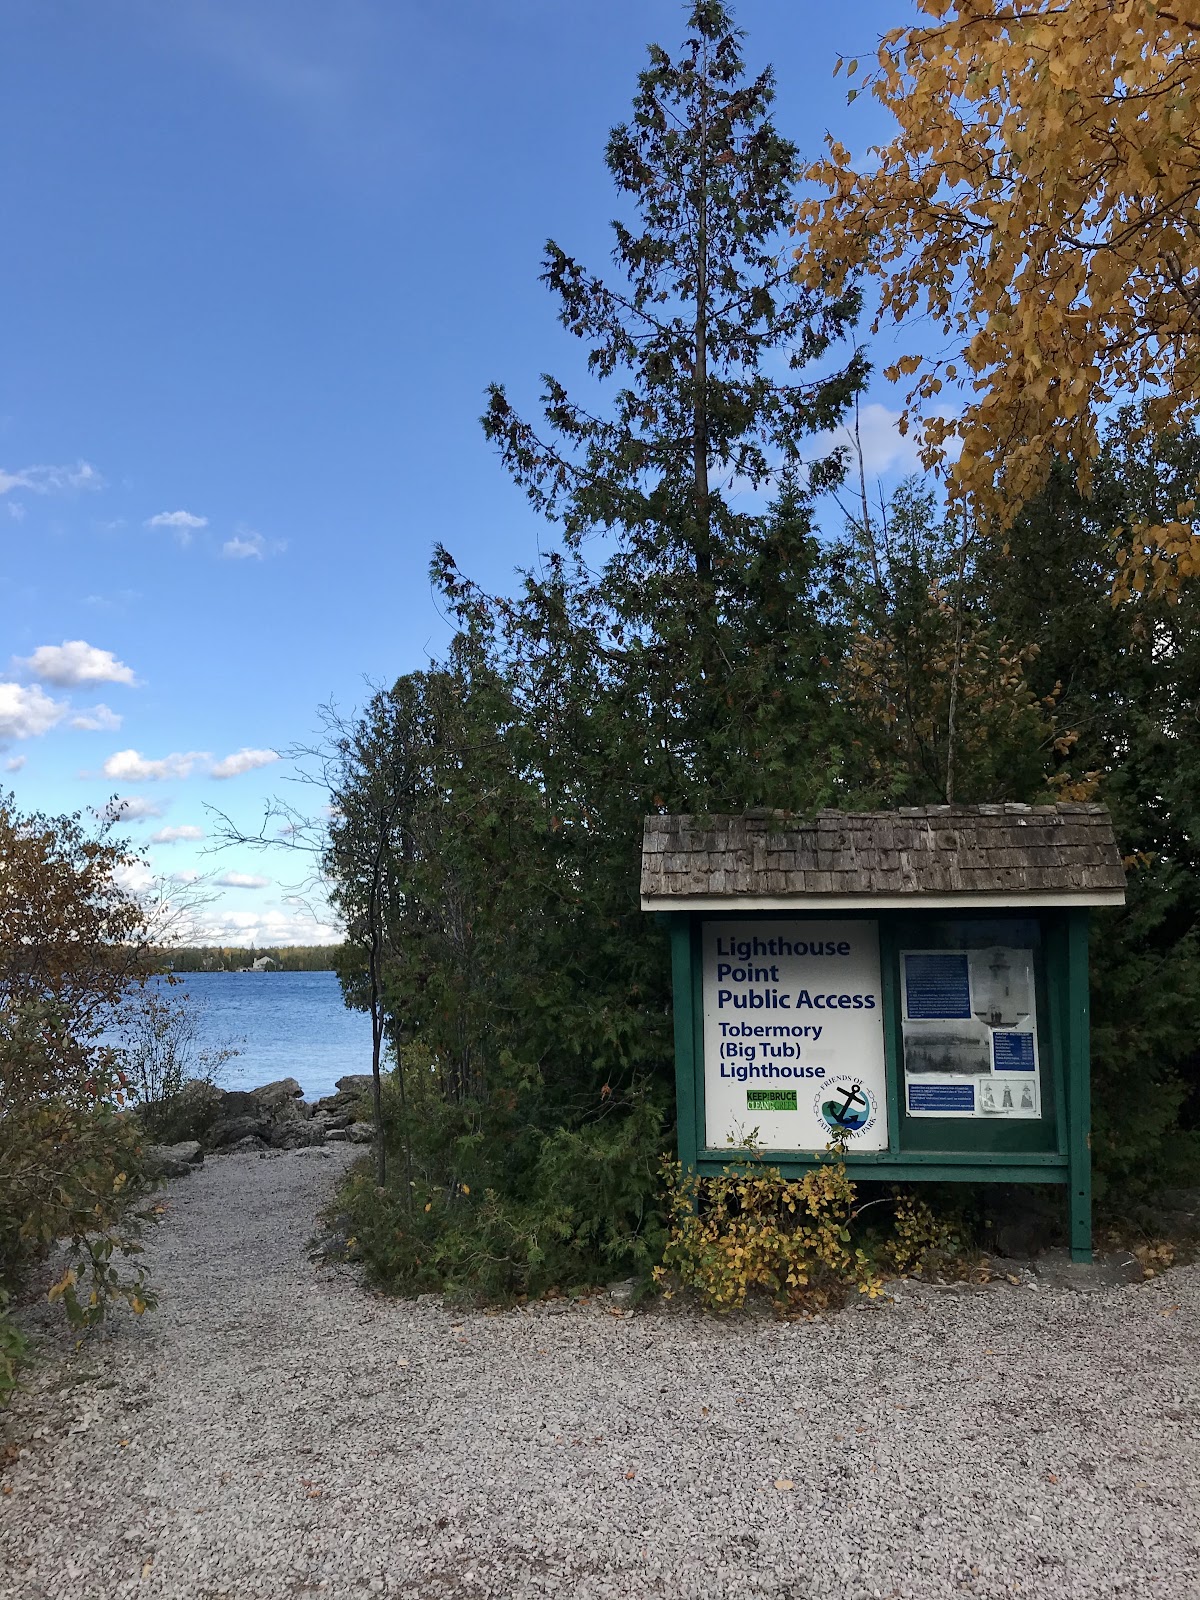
<point>236,958</point>
<point>14,1347</point>
<point>499,1207</point>
<point>72,948</point>
<point>940,692</point>
<point>70,1171</point>
<point>1125,680</point>
<point>684,648</point>
<point>675,653</point>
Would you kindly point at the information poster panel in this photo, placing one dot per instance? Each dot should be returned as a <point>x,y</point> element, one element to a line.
<point>793,1035</point>
<point>970,1033</point>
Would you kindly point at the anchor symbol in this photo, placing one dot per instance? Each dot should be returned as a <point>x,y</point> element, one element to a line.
<point>854,1097</point>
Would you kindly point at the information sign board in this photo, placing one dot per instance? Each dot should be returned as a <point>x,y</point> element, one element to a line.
<point>793,1035</point>
<point>970,1033</point>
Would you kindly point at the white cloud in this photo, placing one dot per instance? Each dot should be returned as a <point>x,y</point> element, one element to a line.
<point>240,549</point>
<point>188,875</point>
<point>132,808</point>
<point>136,768</point>
<point>134,876</point>
<point>98,719</point>
<point>51,480</point>
<point>27,711</point>
<point>276,925</point>
<point>181,523</point>
<point>884,447</point>
<point>246,545</point>
<point>241,880</point>
<point>75,661</point>
<point>171,835</point>
<point>15,764</point>
<point>243,760</point>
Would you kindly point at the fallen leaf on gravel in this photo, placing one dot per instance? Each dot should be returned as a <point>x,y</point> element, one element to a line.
<point>1052,1477</point>
<point>1169,1312</point>
<point>123,1443</point>
<point>784,1483</point>
<point>315,1494</point>
<point>629,1475</point>
<point>147,1568</point>
<point>402,1362</point>
<point>8,1488</point>
<point>703,1411</point>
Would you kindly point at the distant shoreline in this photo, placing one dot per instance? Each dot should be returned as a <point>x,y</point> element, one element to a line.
<point>182,959</point>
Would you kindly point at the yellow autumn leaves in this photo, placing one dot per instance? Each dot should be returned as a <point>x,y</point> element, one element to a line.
<point>1037,205</point>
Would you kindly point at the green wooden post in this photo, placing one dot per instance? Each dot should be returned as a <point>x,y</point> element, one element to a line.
<point>1079,1100</point>
<point>685,1037</point>
<point>892,1028</point>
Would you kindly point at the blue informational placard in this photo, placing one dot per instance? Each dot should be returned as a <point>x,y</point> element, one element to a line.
<point>1013,1052</point>
<point>941,1097</point>
<point>936,986</point>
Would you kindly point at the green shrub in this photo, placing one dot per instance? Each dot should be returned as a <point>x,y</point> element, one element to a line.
<point>70,1170</point>
<point>481,1204</point>
<point>13,1349</point>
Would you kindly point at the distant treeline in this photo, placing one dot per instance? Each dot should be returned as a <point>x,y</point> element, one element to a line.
<point>234,958</point>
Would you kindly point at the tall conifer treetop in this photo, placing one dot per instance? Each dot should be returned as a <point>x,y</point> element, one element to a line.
<point>706,295</point>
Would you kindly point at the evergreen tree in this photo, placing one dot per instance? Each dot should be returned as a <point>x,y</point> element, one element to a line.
<point>1125,681</point>
<point>676,652</point>
<point>703,312</point>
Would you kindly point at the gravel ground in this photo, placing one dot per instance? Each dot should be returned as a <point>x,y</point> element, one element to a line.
<point>274,1430</point>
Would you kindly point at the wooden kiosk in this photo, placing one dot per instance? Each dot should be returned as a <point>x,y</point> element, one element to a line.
<point>913,984</point>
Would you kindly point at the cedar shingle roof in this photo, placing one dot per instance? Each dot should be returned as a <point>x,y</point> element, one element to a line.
<point>1063,853</point>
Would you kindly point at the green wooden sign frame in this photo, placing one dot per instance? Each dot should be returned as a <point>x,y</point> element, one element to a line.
<point>1054,1149</point>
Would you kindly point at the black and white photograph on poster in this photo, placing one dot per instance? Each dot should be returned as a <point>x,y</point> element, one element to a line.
<point>969,1020</point>
<point>964,1048</point>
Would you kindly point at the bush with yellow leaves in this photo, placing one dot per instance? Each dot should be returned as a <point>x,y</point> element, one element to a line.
<point>750,1231</point>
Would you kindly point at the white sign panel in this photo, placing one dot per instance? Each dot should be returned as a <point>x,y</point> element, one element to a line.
<point>793,1035</point>
<point>970,1034</point>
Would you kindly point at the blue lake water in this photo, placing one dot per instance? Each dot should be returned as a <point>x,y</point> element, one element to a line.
<point>285,1024</point>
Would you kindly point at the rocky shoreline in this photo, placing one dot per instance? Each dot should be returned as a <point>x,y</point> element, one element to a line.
<point>208,1120</point>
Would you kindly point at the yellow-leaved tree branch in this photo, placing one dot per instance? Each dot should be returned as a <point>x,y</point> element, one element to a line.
<point>1038,206</point>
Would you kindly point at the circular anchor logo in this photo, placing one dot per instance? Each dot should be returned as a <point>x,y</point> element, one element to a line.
<point>846,1108</point>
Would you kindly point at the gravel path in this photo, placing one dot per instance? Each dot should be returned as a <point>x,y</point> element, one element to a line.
<point>273,1430</point>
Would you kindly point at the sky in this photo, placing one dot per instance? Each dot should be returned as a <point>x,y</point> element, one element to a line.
<point>261,259</point>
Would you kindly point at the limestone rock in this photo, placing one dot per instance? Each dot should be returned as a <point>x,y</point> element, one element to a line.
<point>297,1133</point>
<point>284,1097</point>
<point>247,1146</point>
<point>173,1160</point>
<point>360,1132</point>
<point>332,1120</point>
<point>231,1130</point>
